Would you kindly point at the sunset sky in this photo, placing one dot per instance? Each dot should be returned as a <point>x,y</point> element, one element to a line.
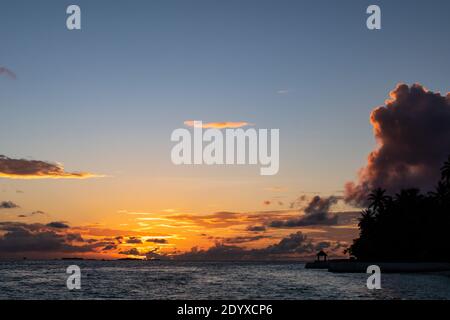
<point>96,109</point>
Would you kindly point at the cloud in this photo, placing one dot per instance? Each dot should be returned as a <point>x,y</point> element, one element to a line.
<point>413,139</point>
<point>219,125</point>
<point>35,169</point>
<point>225,219</point>
<point>57,225</point>
<point>131,252</point>
<point>57,239</point>
<point>316,213</point>
<point>134,240</point>
<point>157,240</point>
<point>294,245</point>
<point>256,228</point>
<point>244,239</point>
<point>19,238</point>
<point>8,73</point>
<point>283,91</point>
<point>38,212</point>
<point>74,237</point>
<point>153,254</point>
<point>109,247</point>
<point>8,205</point>
<point>271,202</point>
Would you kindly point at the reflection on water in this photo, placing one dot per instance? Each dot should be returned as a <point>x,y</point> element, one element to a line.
<point>207,280</point>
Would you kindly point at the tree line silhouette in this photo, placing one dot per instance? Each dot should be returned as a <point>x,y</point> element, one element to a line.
<point>409,226</point>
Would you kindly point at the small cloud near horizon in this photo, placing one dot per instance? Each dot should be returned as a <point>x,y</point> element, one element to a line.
<point>219,125</point>
<point>8,205</point>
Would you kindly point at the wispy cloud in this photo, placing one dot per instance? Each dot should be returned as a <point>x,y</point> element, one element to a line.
<point>8,73</point>
<point>276,189</point>
<point>36,169</point>
<point>219,125</point>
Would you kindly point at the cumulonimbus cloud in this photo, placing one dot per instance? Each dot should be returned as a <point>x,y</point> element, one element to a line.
<point>7,72</point>
<point>36,169</point>
<point>412,131</point>
<point>219,125</point>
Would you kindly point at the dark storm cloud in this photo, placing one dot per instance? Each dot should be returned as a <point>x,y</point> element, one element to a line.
<point>8,73</point>
<point>256,228</point>
<point>412,131</point>
<point>35,169</point>
<point>134,240</point>
<point>109,247</point>
<point>21,237</point>
<point>132,251</point>
<point>243,239</point>
<point>153,254</point>
<point>157,240</point>
<point>316,213</point>
<point>8,205</point>
<point>57,225</point>
<point>74,237</point>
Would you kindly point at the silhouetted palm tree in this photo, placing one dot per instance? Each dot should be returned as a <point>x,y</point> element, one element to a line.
<point>441,193</point>
<point>408,197</point>
<point>445,171</point>
<point>378,199</point>
<point>408,227</point>
<point>366,218</point>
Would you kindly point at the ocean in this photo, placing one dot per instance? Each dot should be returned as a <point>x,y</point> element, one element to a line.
<point>206,280</point>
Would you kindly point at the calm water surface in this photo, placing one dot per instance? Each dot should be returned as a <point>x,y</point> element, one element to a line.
<point>207,280</point>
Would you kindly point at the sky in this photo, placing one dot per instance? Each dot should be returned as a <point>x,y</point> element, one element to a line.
<point>105,99</point>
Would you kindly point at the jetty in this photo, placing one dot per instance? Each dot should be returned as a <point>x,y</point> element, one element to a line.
<point>355,266</point>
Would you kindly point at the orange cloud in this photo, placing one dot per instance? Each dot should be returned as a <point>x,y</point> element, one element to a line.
<point>219,125</point>
<point>36,169</point>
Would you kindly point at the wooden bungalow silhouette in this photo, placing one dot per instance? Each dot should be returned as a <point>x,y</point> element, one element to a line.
<point>321,255</point>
